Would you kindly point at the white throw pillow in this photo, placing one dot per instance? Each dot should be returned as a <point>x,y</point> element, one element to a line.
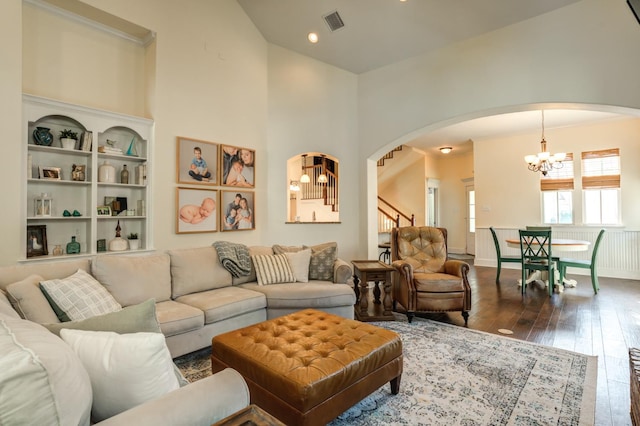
<point>272,269</point>
<point>126,370</point>
<point>80,296</point>
<point>299,263</point>
<point>42,381</point>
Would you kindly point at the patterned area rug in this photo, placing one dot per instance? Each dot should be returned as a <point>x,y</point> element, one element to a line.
<point>456,376</point>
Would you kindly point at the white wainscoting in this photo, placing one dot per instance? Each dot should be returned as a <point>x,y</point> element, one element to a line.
<point>618,256</point>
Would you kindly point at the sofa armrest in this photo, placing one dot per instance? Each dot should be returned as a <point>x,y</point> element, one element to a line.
<point>342,271</point>
<point>199,403</point>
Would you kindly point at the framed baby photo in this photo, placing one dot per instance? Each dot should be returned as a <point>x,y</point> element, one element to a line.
<point>237,166</point>
<point>196,161</point>
<point>197,210</point>
<point>237,210</point>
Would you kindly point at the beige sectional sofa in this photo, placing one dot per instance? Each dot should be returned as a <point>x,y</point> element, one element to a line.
<point>195,298</point>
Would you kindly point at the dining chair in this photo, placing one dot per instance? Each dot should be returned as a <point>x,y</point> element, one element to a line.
<point>564,262</point>
<point>541,228</point>
<point>535,247</point>
<point>500,257</point>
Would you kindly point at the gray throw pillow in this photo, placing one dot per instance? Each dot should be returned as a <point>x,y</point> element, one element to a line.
<point>323,257</point>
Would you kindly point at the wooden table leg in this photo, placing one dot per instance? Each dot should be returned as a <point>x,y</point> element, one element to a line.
<point>364,299</point>
<point>387,302</point>
<point>376,293</point>
<point>356,289</point>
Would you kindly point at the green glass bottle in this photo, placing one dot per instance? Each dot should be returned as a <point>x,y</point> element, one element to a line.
<point>73,247</point>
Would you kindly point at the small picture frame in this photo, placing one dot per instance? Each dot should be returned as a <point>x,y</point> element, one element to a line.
<point>197,210</point>
<point>104,211</point>
<point>50,173</point>
<point>196,161</point>
<point>237,211</point>
<point>37,240</point>
<point>237,166</point>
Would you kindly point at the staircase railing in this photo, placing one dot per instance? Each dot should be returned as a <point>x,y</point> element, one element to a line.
<point>391,217</point>
<point>326,191</point>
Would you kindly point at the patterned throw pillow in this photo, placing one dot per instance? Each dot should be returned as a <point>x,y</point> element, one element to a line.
<point>80,296</point>
<point>272,269</point>
<point>323,257</point>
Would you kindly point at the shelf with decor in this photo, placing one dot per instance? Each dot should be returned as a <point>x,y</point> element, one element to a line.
<point>66,190</point>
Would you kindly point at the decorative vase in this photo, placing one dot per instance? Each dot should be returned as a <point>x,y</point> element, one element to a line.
<point>124,175</point>
<point>42,136</point>
<point>57,250</point>
<point>73,247</point>
<point>107,173</point>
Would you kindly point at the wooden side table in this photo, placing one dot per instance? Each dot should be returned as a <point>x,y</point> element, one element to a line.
<point>376,271</point>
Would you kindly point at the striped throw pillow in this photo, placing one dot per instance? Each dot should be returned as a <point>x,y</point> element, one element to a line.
<point>272,269</point>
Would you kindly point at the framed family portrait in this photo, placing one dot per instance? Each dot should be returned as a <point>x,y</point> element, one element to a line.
<point>237,166</point>
<point>196,161</point>
<point>37,240</point>
<point>197,210</point>
<point>237,211</point>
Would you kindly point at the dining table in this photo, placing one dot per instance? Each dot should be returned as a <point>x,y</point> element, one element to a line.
<point>557,245</point>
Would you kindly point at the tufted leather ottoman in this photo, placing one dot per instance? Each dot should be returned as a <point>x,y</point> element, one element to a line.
<point>308,367</point>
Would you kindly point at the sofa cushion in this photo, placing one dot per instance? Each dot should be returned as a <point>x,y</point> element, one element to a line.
<point>43,381</point>
<point>125,370</point>
<point>27,299</point>
<point>280,249</point>
<point>314,294</point>
<point>80,296</point>
<point>47,270</point>
<point>177,318</point>
<point>299,262</point>
<point>253,250</point>
<point>322,258</point>
<point>225,303</point>
<point>272,269</point>
<point>134,279</point>
<point>197,269</point>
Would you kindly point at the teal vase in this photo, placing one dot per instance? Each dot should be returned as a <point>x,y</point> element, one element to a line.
<point>42,136</point>
<point>73,247</point>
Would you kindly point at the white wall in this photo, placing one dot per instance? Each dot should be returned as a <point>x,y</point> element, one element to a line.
<point>585,53</point>
<point>508,193</point>
<point>312,108</point>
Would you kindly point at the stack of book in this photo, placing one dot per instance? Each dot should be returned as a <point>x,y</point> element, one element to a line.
<point>106,149</point>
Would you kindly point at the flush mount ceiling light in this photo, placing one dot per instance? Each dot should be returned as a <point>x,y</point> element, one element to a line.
<point>305,177</point>
<point>312,37</point>
<point>544,161</point>
<point>446,149</point>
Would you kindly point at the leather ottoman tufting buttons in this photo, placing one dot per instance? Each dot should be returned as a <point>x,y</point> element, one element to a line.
<point>311,366</point>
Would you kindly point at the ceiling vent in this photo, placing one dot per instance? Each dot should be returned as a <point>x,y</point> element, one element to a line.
<point>334,21</point>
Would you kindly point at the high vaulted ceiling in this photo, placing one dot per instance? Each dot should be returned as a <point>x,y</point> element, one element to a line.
<point>381,32</point>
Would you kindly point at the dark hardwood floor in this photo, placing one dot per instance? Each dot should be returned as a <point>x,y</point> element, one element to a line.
<point>606,325</point>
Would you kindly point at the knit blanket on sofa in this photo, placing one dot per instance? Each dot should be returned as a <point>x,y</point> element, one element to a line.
<point>234,257</point>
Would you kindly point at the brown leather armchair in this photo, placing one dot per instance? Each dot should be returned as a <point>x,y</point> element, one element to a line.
<point>426,280</point>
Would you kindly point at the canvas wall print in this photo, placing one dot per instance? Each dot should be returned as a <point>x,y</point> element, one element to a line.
<point>237,210</point>
<point>197,210</point>
<point>197,161</point>
<point>237,166</point>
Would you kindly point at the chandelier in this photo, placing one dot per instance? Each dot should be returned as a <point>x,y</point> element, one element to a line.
<point>544,161</point>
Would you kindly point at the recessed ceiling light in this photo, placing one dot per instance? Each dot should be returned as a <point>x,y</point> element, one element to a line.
<point>313,37</point>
